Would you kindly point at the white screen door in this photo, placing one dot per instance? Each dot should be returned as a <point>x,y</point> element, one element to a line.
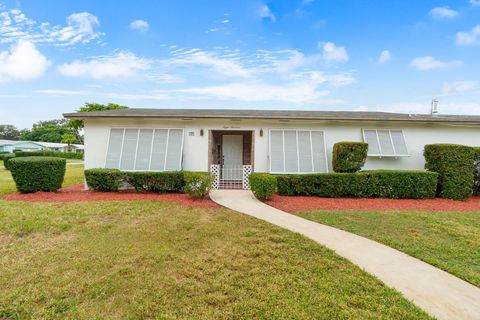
<point>232,155</point>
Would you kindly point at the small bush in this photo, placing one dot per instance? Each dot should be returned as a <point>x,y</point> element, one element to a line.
<point>161,182</point>
<point>6,159</point>
<point>46,153</point>
<point>476,172</point>
<point>104,179</point>
<point>375,184</point>
<point>263,185</point>
<point>198,184</point>
<point>454,164</point>
<point>349,156</point>
<point>37,173</point>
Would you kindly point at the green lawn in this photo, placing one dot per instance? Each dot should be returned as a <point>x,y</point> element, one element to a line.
<point>74,175</point>
<point>447,240</point>
<point>138,260</point>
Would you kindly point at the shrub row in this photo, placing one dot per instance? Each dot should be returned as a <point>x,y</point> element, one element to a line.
<point>197,184</point>
<point>476,172</point>
<point>454,164</point>
<point>34,174</point>
<point>263,185</point>
<point>349,156</point>
<point>46,153</point>
<point>378,184</point>
<point>6,159</point>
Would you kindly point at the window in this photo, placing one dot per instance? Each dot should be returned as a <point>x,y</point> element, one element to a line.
<point>385,143</point>
<point>145,149</point>
<point>297,151</point>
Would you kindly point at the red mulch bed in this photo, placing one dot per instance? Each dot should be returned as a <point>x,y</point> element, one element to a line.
<point>298,204</point>
<point>78,194</point>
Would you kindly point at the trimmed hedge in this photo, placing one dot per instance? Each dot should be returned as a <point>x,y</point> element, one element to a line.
<point>104,179</point>
<point>46,153</point>
<point>198,184</point>
<point>6,159</point>
<point>34,174</point>
<point>263,185</point>
<point>476,172</point>
<point>454,164</point>
<point>161,182</point>
<point>349,156</point>
<point>376,184</point>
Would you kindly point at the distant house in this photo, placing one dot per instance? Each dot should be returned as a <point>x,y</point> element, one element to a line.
<point>232,143</point>
<point>10,145</point>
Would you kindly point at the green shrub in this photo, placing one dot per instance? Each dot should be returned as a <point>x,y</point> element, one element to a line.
<point>161,182</point>
<point>6,159</point>
<point>198,184</point>
<point>37,173</point>
<point>375,184</point>
<point>263,185</point>
<point>104,179</point>
<point>454,164</point>
<point>476,172</point>
<point>349,156</point>
<point>46,153</point>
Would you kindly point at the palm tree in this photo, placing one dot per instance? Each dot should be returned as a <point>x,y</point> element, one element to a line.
<point>69,139</point>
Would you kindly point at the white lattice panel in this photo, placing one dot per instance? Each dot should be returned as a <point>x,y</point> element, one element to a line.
<point>215,170</point>
<point>247,170</point>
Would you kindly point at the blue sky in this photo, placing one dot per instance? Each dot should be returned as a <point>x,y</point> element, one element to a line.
<point>308,54</point>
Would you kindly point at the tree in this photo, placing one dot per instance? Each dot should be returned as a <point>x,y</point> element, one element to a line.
<point>69,139</point>
<point>78,125</point>
<point>9,132</point>
<point>48,131</point>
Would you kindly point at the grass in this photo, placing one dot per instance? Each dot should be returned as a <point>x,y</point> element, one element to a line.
<point>447,240</point>
<point>138,260</point>
<point>73,175</point>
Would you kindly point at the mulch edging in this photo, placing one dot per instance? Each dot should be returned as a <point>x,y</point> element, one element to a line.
<point>78,194</point>
<point>294,204</point>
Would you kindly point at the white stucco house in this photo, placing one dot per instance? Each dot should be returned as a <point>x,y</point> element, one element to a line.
<point>232,143</point>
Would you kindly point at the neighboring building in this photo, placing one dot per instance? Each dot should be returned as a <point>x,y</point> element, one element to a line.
<point>10,145</point>
<point>231,143</point>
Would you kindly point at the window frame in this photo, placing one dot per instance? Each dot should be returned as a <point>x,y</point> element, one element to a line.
<point>391,140</point>
<point>151,148</point>
<point>298,157</point>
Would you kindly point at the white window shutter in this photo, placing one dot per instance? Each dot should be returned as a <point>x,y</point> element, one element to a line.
<point>159,150</point>
<point>399,142</point>
<point>305,151</point>
<point>144,149</point>
<point>174,150</point>
<point>385,142</point>
<point>114,149</point>
<point>276,151</point>
<point>129,149</point>
<point>291,152</point>
<point>371,139</point>
<point>318,148</point>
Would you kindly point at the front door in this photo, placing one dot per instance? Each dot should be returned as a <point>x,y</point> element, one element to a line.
<point>232,156</point>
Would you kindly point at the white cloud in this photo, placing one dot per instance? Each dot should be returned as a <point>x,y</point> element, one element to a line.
<point>139,96</point>
<point>332,53</point>
<point>475,2</point>
<point>140,25</point>
<point>80,28</point>
<point>385,56</point>
<point>266,13</point>
<point>471,37</point>
<point>60,92</point>
<point>451,88</point>
<point>225,21</point>
<point>226,66</point>
<point>22,62</point>
<point>120,65</point>
<point>443,13</point>
<point>430,63</point>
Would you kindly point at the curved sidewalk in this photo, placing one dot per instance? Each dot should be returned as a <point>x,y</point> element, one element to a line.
<point>439,293</point>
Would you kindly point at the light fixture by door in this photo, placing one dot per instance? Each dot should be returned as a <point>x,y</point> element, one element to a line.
<point>201,132</point>
<point>261,132</point>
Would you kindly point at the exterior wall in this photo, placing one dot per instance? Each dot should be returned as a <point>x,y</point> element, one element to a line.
<point>196,152</point>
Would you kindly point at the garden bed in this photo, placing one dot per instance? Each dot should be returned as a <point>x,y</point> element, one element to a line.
<point>303,203</point>
<point>77,193</point>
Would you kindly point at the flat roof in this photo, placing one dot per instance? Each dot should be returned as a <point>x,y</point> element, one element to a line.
<point>273,114</point>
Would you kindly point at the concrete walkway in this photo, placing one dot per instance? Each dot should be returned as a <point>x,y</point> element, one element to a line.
<point>439,293</point>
